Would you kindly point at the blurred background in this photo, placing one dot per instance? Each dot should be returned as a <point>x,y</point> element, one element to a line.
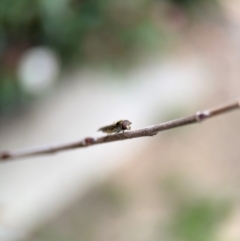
<point>68,67</point>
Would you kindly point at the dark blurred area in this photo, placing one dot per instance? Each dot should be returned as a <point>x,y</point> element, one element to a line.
<point>105,33</point>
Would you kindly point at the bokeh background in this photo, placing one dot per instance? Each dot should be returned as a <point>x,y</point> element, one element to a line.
<point>68,67</point>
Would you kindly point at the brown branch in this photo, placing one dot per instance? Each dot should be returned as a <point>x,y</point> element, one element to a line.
<point>147,131</point>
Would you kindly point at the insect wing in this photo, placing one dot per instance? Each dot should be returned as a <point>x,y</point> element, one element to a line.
<point>108,129</point>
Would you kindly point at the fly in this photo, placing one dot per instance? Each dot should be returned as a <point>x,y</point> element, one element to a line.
<point>116,127</point>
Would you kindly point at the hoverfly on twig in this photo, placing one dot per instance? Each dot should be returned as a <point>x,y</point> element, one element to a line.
<point>116,127</point>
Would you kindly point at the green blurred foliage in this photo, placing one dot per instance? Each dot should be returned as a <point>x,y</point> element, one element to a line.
<point>194,215</point>
<point>106,210</point>
<point>69,25</point>
<point>84,31</point>
<point>199,220</point>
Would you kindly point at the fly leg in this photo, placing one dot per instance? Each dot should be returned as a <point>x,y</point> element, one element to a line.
<point>122,133</point>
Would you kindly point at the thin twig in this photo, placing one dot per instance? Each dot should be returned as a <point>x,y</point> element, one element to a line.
<point>147,131</point>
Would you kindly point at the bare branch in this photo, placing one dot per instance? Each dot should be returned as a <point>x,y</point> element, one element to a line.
<point>147,131</point>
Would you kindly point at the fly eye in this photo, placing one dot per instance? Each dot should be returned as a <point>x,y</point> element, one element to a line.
<point>126,125</point>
